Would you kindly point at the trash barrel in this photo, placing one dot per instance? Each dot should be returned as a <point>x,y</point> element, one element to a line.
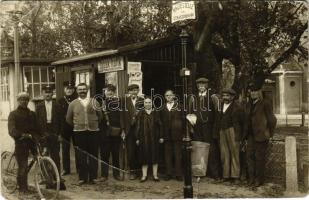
<point>199,158</point>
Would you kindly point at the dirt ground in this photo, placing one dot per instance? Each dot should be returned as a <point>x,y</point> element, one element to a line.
<point>207,188</point>
<point>112,189</point>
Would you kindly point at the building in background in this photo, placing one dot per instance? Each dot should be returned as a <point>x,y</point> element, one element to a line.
<point>35,73</point>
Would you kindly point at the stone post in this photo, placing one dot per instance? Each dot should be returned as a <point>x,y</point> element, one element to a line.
<point>291,165</point>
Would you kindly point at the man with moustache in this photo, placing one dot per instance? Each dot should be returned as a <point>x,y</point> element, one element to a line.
<point>229,124</point>
<point>66,130</point>
<point>22,126</point>
<point>84,114</point>
<point>259,128</point>
<point>49,123</point>
<point>131,105</point>
<point>173,126</point>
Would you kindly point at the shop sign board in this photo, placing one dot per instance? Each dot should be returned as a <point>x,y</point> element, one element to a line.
<point>111,64</point>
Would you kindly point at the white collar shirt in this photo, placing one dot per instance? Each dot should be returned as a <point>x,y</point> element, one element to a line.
<point>84,101</point>
<point>170,106</point>
<point>48,106</point>
<point>202,94</point>
<point>226,106</point>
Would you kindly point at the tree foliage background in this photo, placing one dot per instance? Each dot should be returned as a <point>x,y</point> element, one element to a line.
<point>254,36</point>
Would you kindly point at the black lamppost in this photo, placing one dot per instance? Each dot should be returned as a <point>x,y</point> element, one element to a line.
<point>185,73</point>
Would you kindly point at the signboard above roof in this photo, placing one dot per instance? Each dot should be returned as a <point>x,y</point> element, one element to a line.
<point>111,64</point>
<point>183,10</point>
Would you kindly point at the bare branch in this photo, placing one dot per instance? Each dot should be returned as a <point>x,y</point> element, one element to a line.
<point>290,50</point>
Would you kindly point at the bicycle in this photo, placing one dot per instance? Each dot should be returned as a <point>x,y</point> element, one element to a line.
<point>47,178</point>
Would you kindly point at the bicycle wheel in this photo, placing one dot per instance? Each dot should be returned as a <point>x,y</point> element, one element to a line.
<point>47,179</point>
<point>8,171</point>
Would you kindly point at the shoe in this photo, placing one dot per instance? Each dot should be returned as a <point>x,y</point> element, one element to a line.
<point>167,177</point>
<point>132,177</point>
<point>156,179</point>
<point>92,182</point>
<point>62,186</point>
<point>218,180</point>
<point>53,186</point>
<point>64,173</point>
<point>143,179</point>
<point>81,182</point>
<point>179,178</point>
<point>117,177</point>
<point>250,182</point>
<point>257,184</point>
<point>236,181</point>
<point>25,192</point>
<point>224,180</point>
<point>102,179</point>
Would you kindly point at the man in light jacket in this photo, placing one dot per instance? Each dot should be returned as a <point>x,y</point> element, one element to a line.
<point>84,114</point>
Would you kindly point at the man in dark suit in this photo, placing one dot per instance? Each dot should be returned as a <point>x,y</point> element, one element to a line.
<point>131,105</point>
<point>110,136</point>
<point>229,124</point>
<point>259,128</point>
<point>173,132</point>
<point>66,130</point>
<point>49,123</point>
<point>202,105</point>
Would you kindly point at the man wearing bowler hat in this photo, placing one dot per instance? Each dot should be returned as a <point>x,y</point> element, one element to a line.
<point>49,123</point>
<point>66,130</point>
<point>229,124</point>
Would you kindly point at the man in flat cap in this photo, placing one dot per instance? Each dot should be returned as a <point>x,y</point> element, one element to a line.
<point>202,105</point>
<point>49,123</point>
<point>66,130</point>
<point>131,105</point>
<point>260,123</point>
<point>229,124</point>
<point>22,126</point>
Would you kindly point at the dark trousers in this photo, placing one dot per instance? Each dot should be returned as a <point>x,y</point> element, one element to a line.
<point>132,153</point>
<point>67,136</point>
<point>53,147</point>
<point>21,153</point>
<point>214,168</point>
<point>173,157</point>
<point>256,156</point>
<point>110,146</point>
<point>87,154</point>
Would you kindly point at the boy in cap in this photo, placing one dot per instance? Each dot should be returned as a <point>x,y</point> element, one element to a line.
<point>110,136</point>
<point>22,126</point>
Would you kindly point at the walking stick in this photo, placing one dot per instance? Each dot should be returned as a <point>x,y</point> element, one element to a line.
<point>123,157</point>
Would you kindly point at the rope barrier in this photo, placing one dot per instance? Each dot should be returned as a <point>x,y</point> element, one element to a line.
<point>99,160</point>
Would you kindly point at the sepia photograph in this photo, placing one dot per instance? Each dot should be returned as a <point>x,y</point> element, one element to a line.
<point>154,99</point>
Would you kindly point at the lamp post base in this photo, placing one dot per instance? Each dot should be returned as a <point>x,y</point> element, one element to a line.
<point>188,192</point>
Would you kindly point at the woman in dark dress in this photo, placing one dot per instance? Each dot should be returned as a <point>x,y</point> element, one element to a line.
<point>148,137</point>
